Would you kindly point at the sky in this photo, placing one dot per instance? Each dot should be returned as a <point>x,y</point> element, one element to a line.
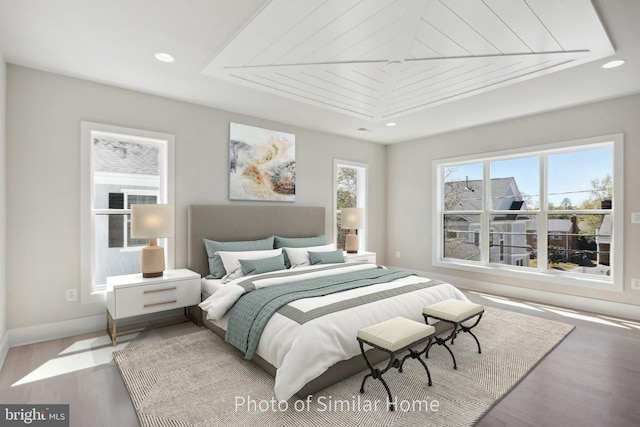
<point>570,174</point>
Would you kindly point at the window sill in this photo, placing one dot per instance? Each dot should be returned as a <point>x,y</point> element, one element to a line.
<point>575,280</point>
<point>132,249</point>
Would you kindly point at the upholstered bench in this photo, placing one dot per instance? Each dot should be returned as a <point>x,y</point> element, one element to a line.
<point>394,336</point>
<point>455,312</point>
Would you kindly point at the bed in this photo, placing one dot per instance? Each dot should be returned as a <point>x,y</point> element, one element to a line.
<point>309,343</point>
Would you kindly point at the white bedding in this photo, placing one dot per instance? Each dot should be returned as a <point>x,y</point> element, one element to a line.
<point>302,352</point>
<point>210,286</point>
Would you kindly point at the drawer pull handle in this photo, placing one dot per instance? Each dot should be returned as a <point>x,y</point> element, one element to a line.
<point>160,290</point>
<point>160,303</point>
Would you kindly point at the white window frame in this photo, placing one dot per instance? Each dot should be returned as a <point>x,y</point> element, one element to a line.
<point>363,178</point>
<point>91,292</point>
<point>541,273</point>
<point>127,192</point>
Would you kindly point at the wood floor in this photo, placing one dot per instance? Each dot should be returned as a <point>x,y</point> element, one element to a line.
<point>591,379</point>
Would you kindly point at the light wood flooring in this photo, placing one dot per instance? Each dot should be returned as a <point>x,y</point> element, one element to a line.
<point>591,379</point>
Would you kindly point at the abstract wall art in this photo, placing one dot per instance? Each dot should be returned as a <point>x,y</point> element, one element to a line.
<point>262,164</point>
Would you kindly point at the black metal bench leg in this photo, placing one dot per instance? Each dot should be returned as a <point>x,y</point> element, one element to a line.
<point>392,405</point>
<point>417,355</point>
<point>454,334</point>
<point>443,341</point>
<point>426,369</point>
<point>364,380</point>
<point>377,373</point>
<point>467,329</point>
<point>444,344</point>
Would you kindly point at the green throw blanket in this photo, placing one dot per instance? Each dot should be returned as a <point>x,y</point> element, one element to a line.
<point>250,314</point>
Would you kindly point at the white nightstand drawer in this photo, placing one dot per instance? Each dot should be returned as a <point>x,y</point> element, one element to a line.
<point>133,295</point>
<point>361,257</point>
<point>143,299</point>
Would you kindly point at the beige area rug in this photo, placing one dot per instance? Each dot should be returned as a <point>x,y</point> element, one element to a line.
<point>199,380</point>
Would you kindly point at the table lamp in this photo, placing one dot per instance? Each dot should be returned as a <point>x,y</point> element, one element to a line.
<point>352,219</point>
<point>152,222</point>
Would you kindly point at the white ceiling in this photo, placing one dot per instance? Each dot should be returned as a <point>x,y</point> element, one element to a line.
<point>341,65</point>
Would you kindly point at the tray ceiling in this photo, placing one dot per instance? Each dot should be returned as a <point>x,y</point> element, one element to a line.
<point>382,59</point>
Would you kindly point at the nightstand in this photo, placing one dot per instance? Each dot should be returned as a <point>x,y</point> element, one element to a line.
<point>132,295</point>
<point>361,256</point>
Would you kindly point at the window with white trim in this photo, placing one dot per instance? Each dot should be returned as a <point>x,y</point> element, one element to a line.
<point>120,167</point>
<point>120,225</point>
<point>555,211</point>
<point>350,191</point>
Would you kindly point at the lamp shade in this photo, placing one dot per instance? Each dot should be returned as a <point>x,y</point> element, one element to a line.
<point>352,218</point>
<point>152,221</point>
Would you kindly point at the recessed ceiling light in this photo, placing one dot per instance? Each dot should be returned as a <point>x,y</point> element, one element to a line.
<point>391,124</point>
<point>614,64</point>
<point>164,57</point>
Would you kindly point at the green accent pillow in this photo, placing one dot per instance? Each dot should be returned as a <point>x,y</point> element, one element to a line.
<point>331,257</point>
<point>216,268</point>
<point>262,265</point>
<point>297,242</point>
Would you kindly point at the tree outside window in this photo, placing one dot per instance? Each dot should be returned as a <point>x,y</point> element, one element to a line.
<point>350,187</point>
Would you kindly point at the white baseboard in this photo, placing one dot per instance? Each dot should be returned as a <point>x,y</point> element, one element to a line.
<point>72,327</point>
<point>51,331</point>
<point>610,308</point>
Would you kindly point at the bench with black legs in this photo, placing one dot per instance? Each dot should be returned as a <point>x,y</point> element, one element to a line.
<point>394,336</point>
<point>455,312</point>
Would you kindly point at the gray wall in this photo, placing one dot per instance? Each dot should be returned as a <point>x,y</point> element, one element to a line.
<point>44,111</point>
<point>3,203</point>
<point>410,208</point>
<point>43,139</point>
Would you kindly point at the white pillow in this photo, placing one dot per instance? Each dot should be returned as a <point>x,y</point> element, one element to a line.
<point>231,261</point>
<point>300,256</point>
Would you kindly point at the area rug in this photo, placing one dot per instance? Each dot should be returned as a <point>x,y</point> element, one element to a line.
<point>199,380</point>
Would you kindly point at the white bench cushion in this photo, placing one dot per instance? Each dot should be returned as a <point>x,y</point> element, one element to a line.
<point>453,310</point>
<point>396,333</point>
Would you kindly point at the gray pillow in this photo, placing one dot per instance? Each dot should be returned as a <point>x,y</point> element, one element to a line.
<point>297,242</point>
<point>216,268</point>
<point>262,265</point>
<point>331,257</point>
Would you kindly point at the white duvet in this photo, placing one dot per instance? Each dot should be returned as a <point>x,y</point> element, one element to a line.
<point>302,352</point>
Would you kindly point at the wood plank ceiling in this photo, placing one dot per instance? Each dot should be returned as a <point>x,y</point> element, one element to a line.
<point>381,59</point>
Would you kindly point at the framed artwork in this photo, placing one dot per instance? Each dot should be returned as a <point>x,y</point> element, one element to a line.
<point>262,164</point>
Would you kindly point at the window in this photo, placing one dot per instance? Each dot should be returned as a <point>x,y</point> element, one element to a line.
<point>555,211</point>
<point>350,189</point>
<point>120,167</point>
<point>120,225</point>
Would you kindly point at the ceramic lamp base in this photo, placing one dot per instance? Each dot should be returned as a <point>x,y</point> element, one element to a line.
<point>152,260</point>
<point>351,244</point>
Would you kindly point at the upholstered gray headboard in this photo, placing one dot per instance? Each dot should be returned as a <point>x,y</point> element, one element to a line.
<point>247,222</point>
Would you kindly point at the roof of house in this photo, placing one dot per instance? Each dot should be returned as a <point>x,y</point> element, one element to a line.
<point>467,195</point>
<point>125,157</point>
<point>553,225</point>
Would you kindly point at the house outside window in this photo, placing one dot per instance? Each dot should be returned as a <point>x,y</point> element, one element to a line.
<point>350,191</point>
<point>555,211</point>
<point>120,225</point>
<point>120,167</point>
